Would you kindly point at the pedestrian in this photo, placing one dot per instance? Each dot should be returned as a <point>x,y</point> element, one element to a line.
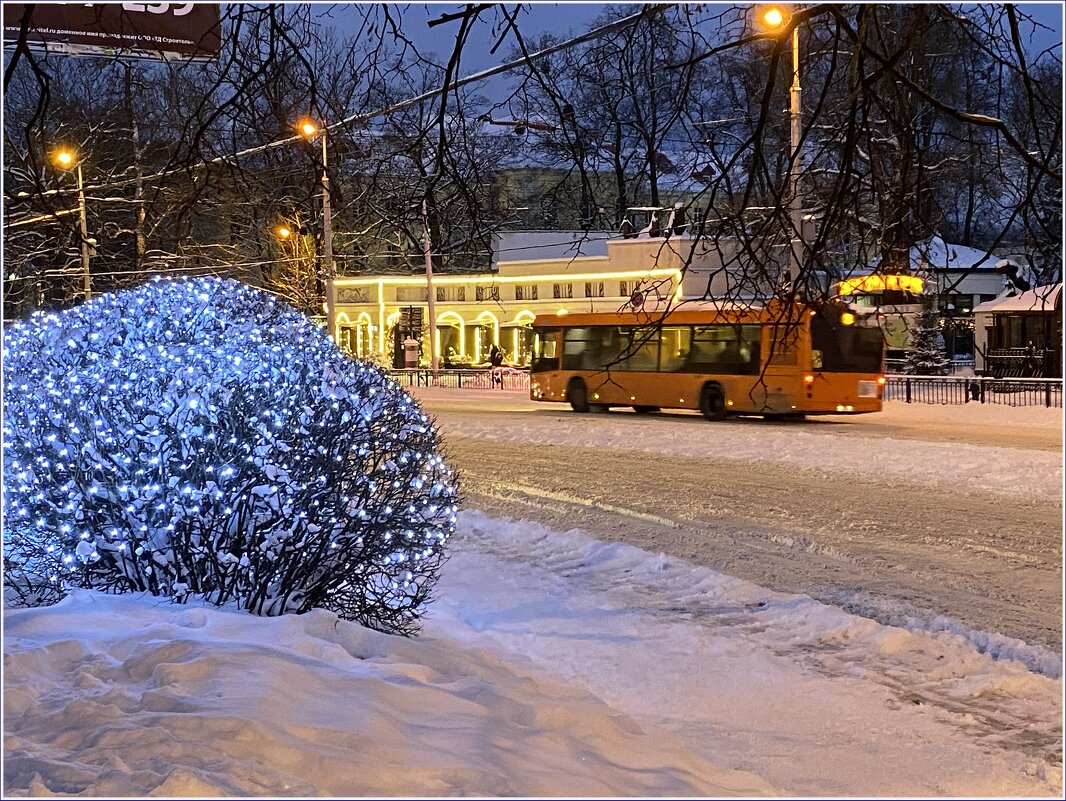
<point>1029,369</point>
<point>496,362</point>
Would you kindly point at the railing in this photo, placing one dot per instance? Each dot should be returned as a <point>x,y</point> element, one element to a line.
<point>907,388</point>
<point>507,379</point>
<point>957,390</point>
<point>1020,362</point>
<point>956,367</point>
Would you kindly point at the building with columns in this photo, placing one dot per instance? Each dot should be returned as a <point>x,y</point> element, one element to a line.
<point>541,272</point>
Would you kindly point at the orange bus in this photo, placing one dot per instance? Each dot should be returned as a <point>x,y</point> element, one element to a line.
<point>776,361</point>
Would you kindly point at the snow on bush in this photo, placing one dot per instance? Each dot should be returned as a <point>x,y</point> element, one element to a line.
<point>198,438</point>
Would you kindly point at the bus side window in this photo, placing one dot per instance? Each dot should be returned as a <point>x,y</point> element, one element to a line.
<point>750,339</point>
<point>674,349</point>
<point>725,349</point>
<point>582,349</point>
<point>611,345</point>
<point>545,353</point>
<point>704,348</point>
<point>641,349</point>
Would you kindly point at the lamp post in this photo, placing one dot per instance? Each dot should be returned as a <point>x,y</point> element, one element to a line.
<point>66,159</point>
<point>431,298</point>
<point>775,18</point>
<point>309,130</point>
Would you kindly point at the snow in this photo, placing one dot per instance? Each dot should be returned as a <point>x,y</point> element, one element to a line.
<point>1040,299</point>
<point>817,445</point>
<point>940,255</point>
<point>555,664</point>
<point>1001,416</point>
<point>552,664</point>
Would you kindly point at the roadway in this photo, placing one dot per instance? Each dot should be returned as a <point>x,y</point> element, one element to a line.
<point>876,542</point>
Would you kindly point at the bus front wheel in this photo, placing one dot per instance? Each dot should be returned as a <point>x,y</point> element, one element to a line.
<point>578,394</point>
<point>712,402</point>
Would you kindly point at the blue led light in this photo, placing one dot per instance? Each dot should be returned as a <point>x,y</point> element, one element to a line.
<point>222,447</point>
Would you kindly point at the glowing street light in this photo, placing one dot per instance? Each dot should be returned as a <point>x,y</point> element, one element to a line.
<point>65,159</point>
<point>282,232</point>
<point>774,18</point>
<point>309,129</point>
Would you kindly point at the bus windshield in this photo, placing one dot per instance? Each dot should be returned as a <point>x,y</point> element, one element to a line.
<point>839,348</point>
<point>544,350</point>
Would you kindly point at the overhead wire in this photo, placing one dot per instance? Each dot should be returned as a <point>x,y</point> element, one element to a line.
<point>230,159</point>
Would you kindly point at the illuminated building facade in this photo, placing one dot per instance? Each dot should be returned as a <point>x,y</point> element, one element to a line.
<point>376,313</point>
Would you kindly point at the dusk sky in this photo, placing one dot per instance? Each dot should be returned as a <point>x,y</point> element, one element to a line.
<point>562,19</point>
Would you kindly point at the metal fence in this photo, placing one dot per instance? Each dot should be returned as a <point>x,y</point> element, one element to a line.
<point>960,367</point>
<point>907,388</point>
<point>506,379</point>
<point>957,390</point>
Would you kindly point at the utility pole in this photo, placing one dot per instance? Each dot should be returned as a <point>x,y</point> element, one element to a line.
<point>86,276</point>
<point>796,205</point>
<point>431,298</point>
<point>327,246</point>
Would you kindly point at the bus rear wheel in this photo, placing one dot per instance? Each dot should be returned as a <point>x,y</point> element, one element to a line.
<point>645,409</point>
<point>712,402</point>
<point>578,395</point>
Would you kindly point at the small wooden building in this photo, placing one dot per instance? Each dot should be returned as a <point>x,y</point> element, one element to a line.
<point>1020,336</point>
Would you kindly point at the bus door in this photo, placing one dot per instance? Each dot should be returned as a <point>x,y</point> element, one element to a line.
<point>777,389</point>
<point>732,354</point>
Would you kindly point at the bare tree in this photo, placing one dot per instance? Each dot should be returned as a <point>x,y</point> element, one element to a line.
<point>917,120</point>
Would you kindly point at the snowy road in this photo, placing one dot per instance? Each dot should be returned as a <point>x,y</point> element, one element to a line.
<point>910,516</point>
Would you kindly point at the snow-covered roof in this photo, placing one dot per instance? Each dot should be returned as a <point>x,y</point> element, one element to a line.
<point>1041,299</point>
<point>936,254</point>
<point>941,255</point>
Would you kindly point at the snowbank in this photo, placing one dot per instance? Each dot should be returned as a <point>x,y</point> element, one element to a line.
<point>997,414</point>
<point>130,696</point>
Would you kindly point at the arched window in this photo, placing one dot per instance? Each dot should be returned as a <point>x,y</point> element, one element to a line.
<point>485,333</point>
<point>521,339</point>
<point>451,345</point>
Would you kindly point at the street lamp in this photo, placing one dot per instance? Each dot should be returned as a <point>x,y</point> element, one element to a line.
<point>65,159</point>
<point>309,129</point>
<point>774,18</point>
<point>431,298</point>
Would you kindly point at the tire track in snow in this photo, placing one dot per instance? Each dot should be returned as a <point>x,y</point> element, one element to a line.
<point>880,548</point>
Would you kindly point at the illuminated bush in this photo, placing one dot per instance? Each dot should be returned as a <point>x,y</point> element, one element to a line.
<point>199,439</point>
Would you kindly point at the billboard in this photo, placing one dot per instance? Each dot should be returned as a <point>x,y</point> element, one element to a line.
<point>160,30</point>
